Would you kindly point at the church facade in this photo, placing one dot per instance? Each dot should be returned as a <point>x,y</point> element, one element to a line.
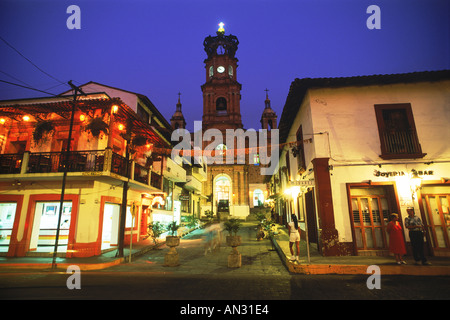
<point>234,182</point>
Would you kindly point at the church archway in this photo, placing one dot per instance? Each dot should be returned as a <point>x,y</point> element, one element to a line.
<point>258,198</point>
<point>222,188</point>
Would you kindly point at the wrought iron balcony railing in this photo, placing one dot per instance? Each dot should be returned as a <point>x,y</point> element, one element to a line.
<point>77,161</point>
<point>10,163</point>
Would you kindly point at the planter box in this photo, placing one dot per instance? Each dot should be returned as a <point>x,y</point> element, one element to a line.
<point>234,241</point>
<point>171,259</point>
<point>234,258</point>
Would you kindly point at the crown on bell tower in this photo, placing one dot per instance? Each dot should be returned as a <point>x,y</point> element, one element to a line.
<point>228,43</point>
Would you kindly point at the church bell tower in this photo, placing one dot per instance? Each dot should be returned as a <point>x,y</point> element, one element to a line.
<point>221,91</point>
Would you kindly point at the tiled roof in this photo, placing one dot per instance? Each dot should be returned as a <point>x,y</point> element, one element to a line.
<point>299,88</point>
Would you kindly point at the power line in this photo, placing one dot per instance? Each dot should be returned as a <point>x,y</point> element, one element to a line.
<point>5,73</point>
<point>19,85</point>
<point>52,94</point>
<point>9,45</point>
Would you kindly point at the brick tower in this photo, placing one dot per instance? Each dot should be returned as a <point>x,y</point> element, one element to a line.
<point>221,91</point>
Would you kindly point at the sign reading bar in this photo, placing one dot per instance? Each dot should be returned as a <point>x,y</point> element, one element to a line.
<point>377,173</point>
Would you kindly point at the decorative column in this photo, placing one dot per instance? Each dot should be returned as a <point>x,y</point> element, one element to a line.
<point>329,235</point>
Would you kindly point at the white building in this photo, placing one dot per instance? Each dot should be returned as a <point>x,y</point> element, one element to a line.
<point>352,148</point>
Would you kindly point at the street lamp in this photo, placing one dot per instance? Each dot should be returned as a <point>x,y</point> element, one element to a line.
<point>415,182</point>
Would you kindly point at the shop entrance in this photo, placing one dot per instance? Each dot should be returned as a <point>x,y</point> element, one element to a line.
<point>110,228</point>
<point>436,206</point>
<point>43,236</point>
<point>370,210</point>
<point>7,216</point>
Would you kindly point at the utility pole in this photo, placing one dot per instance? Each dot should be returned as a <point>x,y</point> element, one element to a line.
<point>65,159</point>
<point>123,207</point>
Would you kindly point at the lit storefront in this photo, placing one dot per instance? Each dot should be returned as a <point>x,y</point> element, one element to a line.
<point>33,221</point>
<point>371,201</point>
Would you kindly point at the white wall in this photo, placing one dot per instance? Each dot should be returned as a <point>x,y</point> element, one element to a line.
<point>348,115</point>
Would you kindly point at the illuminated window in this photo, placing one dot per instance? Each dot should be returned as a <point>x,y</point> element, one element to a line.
<point>230,71</point>
<point>221,148</point>
<point>256,159</point>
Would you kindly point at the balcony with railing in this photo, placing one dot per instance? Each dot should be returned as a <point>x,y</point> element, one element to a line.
<point>400,145</point>
<point>83,162</point>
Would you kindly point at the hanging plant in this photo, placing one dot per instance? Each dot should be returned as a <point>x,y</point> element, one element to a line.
<point>97,126</point>
<point>139,141</point>
<point>42,127</point>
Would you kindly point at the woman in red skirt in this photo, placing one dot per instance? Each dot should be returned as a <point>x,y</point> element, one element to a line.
<point>396,241</point>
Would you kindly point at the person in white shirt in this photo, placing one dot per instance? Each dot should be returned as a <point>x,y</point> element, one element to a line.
<point>294,237</point>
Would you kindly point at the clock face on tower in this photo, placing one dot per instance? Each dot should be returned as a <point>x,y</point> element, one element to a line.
<point>220,69</point>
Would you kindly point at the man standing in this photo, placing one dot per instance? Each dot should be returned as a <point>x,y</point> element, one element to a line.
<point>416,234</point>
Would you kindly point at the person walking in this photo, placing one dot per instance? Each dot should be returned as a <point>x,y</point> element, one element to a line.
<point>396,241</point>
<point>294,237</point>
<point>416,234</point>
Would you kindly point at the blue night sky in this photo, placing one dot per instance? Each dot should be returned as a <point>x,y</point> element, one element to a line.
<point>155,47</point>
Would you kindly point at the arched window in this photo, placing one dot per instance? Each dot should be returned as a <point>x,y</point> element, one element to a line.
<point>221,105</point>
<point>222,188</point>
<point>221,148</point>
<point>230,71</point>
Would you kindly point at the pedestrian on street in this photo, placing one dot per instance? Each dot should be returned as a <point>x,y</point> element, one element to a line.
<point>416,234</point>
<point>396,241</point>
<point>294,237</point>
<point>209,238</point>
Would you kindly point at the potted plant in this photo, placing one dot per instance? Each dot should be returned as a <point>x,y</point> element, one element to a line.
<point>155,230</point>
<point>192,222</point>
<point>234,258</point>
<point>171,259</point>
<point>209,215</point>
<point>43,128</point>
<point>173,228</point>
<point>260,229</point>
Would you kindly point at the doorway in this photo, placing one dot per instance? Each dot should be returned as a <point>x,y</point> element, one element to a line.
<point>370,208</point>
<point>222,188</point>
<point>45,225</point>
<point>110,227</point>
<point>7,216</point>
<point>436,206</point>
<point>258,198</point>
